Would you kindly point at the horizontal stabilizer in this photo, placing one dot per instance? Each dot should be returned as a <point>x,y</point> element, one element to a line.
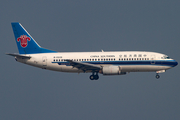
<point>18,55</point>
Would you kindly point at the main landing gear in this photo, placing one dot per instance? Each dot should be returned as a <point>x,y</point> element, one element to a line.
<point>157,76</point>
<point>94,77</point>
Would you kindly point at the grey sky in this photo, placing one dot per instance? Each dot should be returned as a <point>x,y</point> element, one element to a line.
<point>64,25</point>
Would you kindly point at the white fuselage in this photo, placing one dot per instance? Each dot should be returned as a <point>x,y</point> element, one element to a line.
<point>106,63</point>
<point>128,61</point>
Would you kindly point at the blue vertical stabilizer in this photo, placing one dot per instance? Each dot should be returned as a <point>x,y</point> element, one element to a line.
<point>26,44</point>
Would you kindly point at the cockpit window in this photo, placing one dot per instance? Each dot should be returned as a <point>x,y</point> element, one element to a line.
<point>166,57</point>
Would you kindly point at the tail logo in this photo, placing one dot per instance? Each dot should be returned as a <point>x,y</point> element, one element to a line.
<point>23,40</point>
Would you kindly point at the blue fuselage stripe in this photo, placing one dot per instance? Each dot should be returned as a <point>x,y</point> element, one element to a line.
<point>171,63</point>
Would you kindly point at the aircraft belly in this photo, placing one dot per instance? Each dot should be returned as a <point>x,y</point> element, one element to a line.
<point>53,67</point>
<point>69,69</point>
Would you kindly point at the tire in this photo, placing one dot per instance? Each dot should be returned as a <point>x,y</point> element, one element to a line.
<point>96,77</point>
<point>91,77</point>
<point>157,76</point>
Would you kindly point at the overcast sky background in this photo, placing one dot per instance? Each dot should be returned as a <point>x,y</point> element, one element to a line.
<point>29,93</point>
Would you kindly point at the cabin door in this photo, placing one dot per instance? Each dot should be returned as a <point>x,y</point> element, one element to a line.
<point>153,58</point>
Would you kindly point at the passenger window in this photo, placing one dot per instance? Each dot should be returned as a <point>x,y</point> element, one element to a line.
<point>134,58</point>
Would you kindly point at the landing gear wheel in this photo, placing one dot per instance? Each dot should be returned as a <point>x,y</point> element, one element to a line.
<point>91,77</point>
<point>157,76</point>
<point>96,77</point>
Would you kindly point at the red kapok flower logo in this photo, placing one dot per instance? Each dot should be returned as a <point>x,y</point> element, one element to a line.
<point>24,40</point>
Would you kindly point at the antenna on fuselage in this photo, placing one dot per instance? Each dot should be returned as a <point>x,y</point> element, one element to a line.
<point>102,50</point>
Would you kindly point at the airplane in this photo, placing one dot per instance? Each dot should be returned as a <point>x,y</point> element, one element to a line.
<point>106,63</point>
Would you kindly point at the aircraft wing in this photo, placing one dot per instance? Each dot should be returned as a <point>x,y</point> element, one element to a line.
<point>84,66</point>
<point>18,55</point>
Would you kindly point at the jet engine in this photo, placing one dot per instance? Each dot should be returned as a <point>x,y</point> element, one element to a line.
<point>112,70</point>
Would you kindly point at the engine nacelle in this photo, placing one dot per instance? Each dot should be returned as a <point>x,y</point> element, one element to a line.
<point>112,70</point>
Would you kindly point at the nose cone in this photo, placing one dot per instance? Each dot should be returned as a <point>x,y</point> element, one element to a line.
<point>175,63</point>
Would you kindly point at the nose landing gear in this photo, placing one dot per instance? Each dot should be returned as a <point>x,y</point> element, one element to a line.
<point>157,76</point>
<point>94,77</point>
